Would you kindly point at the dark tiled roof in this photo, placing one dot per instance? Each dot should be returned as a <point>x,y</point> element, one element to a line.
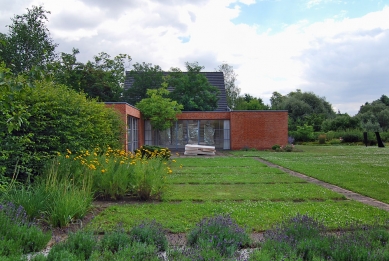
<point>214,78</point>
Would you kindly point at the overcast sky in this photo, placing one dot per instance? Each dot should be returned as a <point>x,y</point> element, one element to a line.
<point>336,49</point>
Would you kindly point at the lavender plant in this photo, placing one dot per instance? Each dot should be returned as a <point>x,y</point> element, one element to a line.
<point>17,233</point>
<point>220,232</point>
<point>151,233</point>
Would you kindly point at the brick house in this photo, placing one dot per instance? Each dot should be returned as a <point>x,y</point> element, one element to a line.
<point>222,128</point>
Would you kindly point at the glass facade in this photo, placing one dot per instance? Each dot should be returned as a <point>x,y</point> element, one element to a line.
<point>202,132</point>
<point>132,133</point>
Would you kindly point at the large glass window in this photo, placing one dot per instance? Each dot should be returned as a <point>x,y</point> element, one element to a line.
<point>132,133</point>
<point>203,132</point>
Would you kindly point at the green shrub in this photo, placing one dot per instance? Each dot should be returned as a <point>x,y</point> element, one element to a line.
<point>115,241</point>
<point>276,147</point>
<point>135,251</point>
<point>322,138</point>
<point>79,245</point>
<point>220,233</point>
<point>52,119</point>
<point>150,233</point>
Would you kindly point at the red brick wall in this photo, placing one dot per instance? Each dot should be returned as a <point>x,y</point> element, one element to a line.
<point>258,129</point>
<point>253,129</point>
<point>126,110</point>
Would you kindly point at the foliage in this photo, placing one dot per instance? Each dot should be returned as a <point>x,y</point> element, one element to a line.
<point>56,119</point>
<point>78,246</point>
<point>146,76</point>
<point>276,147</point>
<point>102,78</point>
<point>248,102</point>
<point>17,234</point>
<point>28,42</point>
<point>115,240</point>
<point>160,110</point>
<point>322,138</point>
<point>150,233</point>
<point>340,122</point>
<point>304,108</point>
<point>304,238</point>
<point>303,133</point>
<point>116,173</point>
<point>219,232</point>
<point>232,90</point>
<point>147,151</point>
<point>374,116</point>
<point>192,89</point>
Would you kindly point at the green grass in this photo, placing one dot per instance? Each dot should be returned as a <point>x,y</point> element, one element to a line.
<point>255,195</point>
<point>255,215</point>
<point>361,169</point>
<point>273,192</point>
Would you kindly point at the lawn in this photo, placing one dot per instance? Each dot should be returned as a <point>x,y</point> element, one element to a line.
<point>358,168</point>
<point>255,195</point>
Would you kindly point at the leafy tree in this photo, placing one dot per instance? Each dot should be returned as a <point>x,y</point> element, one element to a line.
<point>374,116</point>
<point>341,122</point>
<point>232,90</point>
<point>28,42</point>
<point>53,119</point>
<point>276,101</point>
<point>248,102</point>
<point>159,109</point>
<point>102,78</point>
<point>146,76</point>
<point>192,89</point>
<point>303,108</point>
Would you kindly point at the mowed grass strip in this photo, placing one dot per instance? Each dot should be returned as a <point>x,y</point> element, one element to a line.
<point>232,178</point>
<point>254,215</point>
<point>272,192</point>
<point>358,168</point>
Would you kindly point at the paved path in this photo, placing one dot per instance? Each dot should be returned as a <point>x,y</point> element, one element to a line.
<point>347,193</point>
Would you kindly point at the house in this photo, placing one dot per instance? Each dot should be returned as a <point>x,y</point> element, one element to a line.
<point>222,128</point>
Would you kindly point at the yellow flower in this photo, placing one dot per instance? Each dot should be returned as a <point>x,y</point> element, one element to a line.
<point>103,170</point>
<point>67,156</point>
<point>68,151</point>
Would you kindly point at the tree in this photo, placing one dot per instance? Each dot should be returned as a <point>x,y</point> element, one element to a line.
<point>102,78</point>
<point>303,108</point>
<point>28,42</point>
<point>374,116</point>
<point>192,89</point>
<point>159,109</point>
<point>146,76</point>
<point>232,90</point>
<point>248,102</point>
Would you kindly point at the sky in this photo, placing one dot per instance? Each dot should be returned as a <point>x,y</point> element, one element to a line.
<point>337,49</point>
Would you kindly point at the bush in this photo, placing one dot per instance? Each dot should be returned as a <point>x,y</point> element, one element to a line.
<point>115,241</point>
<point>78,246</point>
<point>276,147</point>
<point>53,119</point>
<point>220,233</point>
<point>150,233</point>
<point>322,138</point>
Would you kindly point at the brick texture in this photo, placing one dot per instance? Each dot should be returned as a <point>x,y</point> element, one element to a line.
<point>252,129</point>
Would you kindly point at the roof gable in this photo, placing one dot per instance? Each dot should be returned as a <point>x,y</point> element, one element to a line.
<point>214,78</point>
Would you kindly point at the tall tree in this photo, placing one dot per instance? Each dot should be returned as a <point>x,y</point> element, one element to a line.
<point>192,89</point>
<point>102,78</point>
<point>145,76</point>
<point>232,90</point>
<point>28,42</point>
